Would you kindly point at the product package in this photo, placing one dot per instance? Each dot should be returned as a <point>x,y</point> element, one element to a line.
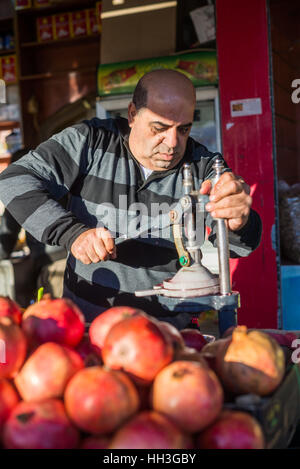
<point>22,4</point>
<point>62,26</point>
<point>45,28</point>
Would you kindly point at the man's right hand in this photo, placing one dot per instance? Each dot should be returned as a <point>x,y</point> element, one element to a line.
<point>94,245</point>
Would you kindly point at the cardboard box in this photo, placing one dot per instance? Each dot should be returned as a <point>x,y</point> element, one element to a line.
<point>9,68</point>
<point>62,26</point>
<point>21,4</point>
<point>137,30</point>
<point>79,26</point>
<point>45,28</point>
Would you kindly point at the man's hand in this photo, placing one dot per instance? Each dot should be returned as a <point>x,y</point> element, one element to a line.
<point>94,245</point>
<point>230,199</point>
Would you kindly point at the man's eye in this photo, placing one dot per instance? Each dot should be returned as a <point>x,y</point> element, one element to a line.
<point>184,130</point>
<point>158,129</point>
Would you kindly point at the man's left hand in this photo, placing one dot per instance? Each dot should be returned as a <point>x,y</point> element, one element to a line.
<point>230,199</point>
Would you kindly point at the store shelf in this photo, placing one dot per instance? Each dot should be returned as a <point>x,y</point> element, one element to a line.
<point>7,51</point>
<point>58,42</point>
<point>46,75</point>
<point>7,125</point>
<point>57,6</point>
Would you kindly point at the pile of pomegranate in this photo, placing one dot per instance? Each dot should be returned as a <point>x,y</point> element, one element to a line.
<point>128,382</point>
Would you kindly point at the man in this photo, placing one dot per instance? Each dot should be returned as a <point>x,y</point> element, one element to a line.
<point>113,170</point>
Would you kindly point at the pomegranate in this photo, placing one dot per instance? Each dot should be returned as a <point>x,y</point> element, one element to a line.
<point>54,320</point>
<point>101,325</point>
<point>174,334</point>
<point>190,354</point>
<point>189,393</point>
<point>98,400</point>
<point>13,347</point>
<point>138,346</point>
<point>193,338</point>
<point>228,332</point>
<point>212,351</point>
<point>284,339</point>
<point>10,308</point>
<point>251,362</point>
<point>150,430</point>
<point>232,430</point>
<point>47,371</point>
<point>87,351</point>
<point>8,400</point>
<point>95,442</point>
<point>40,425</point>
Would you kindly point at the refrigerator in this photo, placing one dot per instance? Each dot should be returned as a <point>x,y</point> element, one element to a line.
<point>205,129</point>
<point>206,124</point>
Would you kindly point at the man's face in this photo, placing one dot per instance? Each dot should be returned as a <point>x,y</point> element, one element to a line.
<point>159,132</point>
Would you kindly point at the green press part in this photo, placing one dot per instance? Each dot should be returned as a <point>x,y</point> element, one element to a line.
<point>183,260</point>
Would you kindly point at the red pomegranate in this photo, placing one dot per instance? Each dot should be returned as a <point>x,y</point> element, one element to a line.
<point>47,371</point>
<point>174,334</point>
<point>10,308</point>
<point>190,354</point>
<point>232,430</point>
<point>150,430</point>
<point>212,351</point>
<point>98,401</point>
<point>95,442</point>
<point>189,394</point>
<point>13,347</point>
<point>193,338</point>
<point>138,346</point>
<point>250,362</point>
<point>40,425</point>
<point>8,400</point>
<point>101,325</point>
<point>284,339</point>
<point>88,353</point>
<point>228,332</point>
<point>54,320</point>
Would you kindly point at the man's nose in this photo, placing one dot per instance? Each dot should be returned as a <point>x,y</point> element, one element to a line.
<point>171,138</point>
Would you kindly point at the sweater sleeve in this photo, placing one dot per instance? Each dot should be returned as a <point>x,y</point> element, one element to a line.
<point>32,187</point>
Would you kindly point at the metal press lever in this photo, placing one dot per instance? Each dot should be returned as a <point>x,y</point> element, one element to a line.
<point>222,241</point>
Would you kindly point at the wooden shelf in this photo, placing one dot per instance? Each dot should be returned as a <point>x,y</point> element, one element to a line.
<point>42,76</point>
<point>7,51</point>
<point>57,42</point>
<point>58,6</point>
<point>7,125</point>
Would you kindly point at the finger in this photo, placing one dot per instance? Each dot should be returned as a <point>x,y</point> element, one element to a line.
<point>108,242</point>
<point>226,187</point>
<point>236,223</point>
<point>236,200</point>
<point>206,187</point>
<point>79,252</point>
<point>82,257</point>
<point>230,212</point>
<point>100,249</point>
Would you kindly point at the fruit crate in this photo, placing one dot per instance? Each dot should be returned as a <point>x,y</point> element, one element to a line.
<point>278,414</point>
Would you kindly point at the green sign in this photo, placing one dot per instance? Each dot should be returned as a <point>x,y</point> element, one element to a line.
<point>122,77</point>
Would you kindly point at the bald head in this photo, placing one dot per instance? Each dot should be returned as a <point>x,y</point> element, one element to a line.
<point>160,118</point>
<point>163,86</point>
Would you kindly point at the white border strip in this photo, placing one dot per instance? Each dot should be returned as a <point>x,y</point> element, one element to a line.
<point>142,9</point>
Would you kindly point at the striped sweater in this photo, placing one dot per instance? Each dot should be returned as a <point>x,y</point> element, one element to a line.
<point>92,163</point>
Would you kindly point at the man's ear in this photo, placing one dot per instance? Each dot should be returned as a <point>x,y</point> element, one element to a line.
<point>131,113</point>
